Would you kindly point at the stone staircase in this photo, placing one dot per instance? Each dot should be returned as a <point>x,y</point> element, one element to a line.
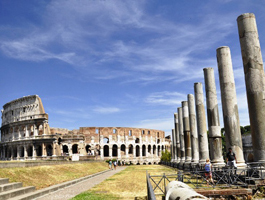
<point>12,190</point>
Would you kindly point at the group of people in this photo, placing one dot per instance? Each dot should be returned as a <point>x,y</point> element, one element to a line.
<point>114,164</point>
<point>230,161</point>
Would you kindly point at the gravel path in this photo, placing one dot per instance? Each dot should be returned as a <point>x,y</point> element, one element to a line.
<point>73,190</point>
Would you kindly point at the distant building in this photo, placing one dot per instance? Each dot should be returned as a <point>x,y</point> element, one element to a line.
<point>26,135</point>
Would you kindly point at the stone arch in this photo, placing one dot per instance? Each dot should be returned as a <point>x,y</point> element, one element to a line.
<point>9,152</point>
<point>14,152</point>
<point>65,150</point>
<point>31,130</point>
<point>154,150</point>
<point>38,150</point>
<point>106,150</point>
<point>162,147</point>
<point>137,151</point>
<point>49,150</point>
<point>40,129</point>
<point>88,148</point>
<point>30,151</point>
<point>98,149</point>
<point>158,141</point>
<point>137,140</point>
<point>123,148</point>
<point>158,150</point>
<point>149,149</point>
<point>114,150</point>
<point>131,149</point>
<point>143,150</point>
<point>21,152</point>
<point>75,148</point>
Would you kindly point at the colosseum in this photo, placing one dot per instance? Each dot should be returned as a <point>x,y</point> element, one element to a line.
<point>26,135</point>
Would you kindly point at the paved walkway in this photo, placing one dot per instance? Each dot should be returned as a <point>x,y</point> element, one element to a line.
<point>73,190</point>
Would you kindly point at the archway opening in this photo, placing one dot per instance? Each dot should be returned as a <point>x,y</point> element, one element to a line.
<point>106,151</point>
<point>143,150</point>
<point>49,150</point>
<point>65,150</point>
<point>137,151</point>
<point>123,150</point>
<point>75,148</point>
<point>114,150</point>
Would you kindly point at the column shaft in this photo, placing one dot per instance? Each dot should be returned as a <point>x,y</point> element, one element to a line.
<point>254,79</point>
<point>177,137</point>
<point>215,138</point>
<point>229,103</point>
<point>193,129</point>
<point>186,129</point>
<point>173,155</point>
<point>181,136</point>
<point>201,123</point>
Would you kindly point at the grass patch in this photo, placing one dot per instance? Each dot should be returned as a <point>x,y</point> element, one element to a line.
<point>45,176</point>
<point>94,196</point>
<point>127,184</point>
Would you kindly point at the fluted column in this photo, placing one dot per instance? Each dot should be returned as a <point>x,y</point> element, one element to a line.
<point>177,137</point>
<point>254,79</point>
<point>181,136</point>
<point>186,129</point>
<point>229,104</point>
<point>215,138</point>
<point>201,123</point>
<point>193,129</point>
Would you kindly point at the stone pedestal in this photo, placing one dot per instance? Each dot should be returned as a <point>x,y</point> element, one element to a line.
<point>229,104</point>
<point>254,78</point>
<point>215,138</point>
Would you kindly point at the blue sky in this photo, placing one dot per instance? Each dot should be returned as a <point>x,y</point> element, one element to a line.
<point>118,62</point>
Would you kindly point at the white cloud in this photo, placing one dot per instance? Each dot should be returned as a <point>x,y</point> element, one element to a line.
<point>106,110</point>
<point>166,98</point>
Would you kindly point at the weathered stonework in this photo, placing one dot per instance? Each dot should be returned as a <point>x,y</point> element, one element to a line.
<point>254,79</point>
<point>25,135</point>
<point>215,138</point>
<point>229,104</point>
<point>201,123</point>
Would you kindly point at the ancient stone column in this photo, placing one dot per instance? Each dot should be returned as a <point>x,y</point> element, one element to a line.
<point>201,123</point>
<point>229,104</point>
<point>193,129</point>
<point>173,154</point>
<point>181,136</point>
<point>186,129</point>
<point>177,137</point>
<point>254,79</point>
<point>215,138</point>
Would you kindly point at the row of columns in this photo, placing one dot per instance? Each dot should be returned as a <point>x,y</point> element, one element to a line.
<point>190,142</point>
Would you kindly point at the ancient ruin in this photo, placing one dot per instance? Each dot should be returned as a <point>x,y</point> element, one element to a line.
<point>26,135</point>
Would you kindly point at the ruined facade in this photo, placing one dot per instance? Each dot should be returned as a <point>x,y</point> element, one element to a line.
<point>25,134</point>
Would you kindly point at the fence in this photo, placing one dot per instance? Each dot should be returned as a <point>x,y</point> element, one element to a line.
<point>194,175</point>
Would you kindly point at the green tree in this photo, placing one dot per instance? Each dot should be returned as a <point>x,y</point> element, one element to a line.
<point>166,156</point>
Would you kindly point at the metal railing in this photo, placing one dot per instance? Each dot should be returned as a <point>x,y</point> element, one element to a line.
<point>194,175</point>
<point>150,190</point>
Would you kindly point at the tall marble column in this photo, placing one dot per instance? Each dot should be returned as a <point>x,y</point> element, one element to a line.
<point>177,136</point>
<point>229,104</point>
<point>215,138</point>
<point>201,123</point>
<point>181,136</point>
<point>254,80</point>
<point>193,129</point>
<point>173,154</point>
<point>186,129</point>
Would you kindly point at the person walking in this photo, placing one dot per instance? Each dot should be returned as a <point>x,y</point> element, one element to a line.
<point>208,172</point>
<point>110,164</point>
<point>231,159</point>
<point>115,164</point>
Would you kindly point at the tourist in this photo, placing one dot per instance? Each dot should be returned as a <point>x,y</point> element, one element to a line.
<point>110,164</point>
<point>114,164</point>
<point>231,159</point>
<point>208,171</point>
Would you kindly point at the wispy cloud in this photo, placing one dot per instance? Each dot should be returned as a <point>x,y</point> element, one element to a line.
<point>106,110</point>
<point>166,98</point>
